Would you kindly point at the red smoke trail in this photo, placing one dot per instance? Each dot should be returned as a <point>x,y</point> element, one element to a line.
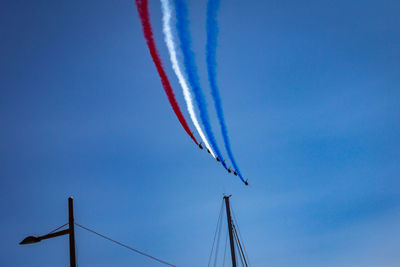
<point>143,10</point>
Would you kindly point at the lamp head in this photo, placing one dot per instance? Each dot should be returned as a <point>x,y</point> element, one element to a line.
<point>30,240</point>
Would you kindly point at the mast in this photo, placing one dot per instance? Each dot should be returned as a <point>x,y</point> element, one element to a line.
<point>231,238</point>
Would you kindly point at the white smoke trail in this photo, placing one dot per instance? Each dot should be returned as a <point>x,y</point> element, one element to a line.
<point>169,40</point>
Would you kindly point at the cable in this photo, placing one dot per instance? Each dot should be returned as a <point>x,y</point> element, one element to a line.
<point>238,251</point>
<point>241,238</point>
<point>217,246</point>
<point>239,246</point>
<point>123,245</point>
<point>226,242</point>
<point>57,228</point>
<point>215,234</point>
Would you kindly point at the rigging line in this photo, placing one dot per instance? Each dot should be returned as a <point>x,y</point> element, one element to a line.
<point>237,245</point>
<point>240,246</point>
<point>226,242</point>
<point>240,235</point>
<point>215,234</point>
<point>58,228</point>
<point>123,245</point>
<point>217,246</point>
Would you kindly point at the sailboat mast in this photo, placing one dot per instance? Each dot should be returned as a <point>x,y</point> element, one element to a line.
<point>231,240</point>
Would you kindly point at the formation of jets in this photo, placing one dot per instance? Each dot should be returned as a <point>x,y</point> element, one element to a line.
<point>223,163</point>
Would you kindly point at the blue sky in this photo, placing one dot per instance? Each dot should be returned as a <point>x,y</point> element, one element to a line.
<point>311,96</point>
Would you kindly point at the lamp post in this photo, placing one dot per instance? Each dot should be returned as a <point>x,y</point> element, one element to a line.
<point>70,231</point>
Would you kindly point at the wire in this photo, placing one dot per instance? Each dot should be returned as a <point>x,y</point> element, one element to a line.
<point>239,247</point>
<point>123,245</point>
<point>215,234</point>
<point>238,251</point>
<point>226,242</point>
<point>218,238</point>
<point>241,238</point>
<point>57,228</point>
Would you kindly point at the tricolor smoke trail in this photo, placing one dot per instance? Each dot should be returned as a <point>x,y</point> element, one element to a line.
<point>212,32</point>
<point>169,40</point>
<point>191,70</point>
<point>143,10</point>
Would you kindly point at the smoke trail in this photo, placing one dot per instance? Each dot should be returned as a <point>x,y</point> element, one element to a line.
<point>169,40</point>
<point>191,69</point>
<point>212,32</point>
<point>143,10</point>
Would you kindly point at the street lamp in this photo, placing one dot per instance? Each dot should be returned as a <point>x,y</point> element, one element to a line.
<point>70,231</point>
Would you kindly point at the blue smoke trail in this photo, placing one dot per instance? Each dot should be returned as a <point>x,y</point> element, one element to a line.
<point>191,70</point>
<point>212,32</point>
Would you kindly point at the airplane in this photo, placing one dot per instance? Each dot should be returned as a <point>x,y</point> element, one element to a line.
<point>200,145</point>
<point>224,164</point>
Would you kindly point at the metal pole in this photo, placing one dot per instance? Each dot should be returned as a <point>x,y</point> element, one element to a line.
<point>228,217</point>
<point>72,256</point>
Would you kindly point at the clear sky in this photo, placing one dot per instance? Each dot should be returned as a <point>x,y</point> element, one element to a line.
<point>311,93</point>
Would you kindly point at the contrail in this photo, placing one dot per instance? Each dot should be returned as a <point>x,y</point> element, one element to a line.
<point>169,40</point>
<point>212,32</point>
<point>143,10</point>
<point>191,69</point>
